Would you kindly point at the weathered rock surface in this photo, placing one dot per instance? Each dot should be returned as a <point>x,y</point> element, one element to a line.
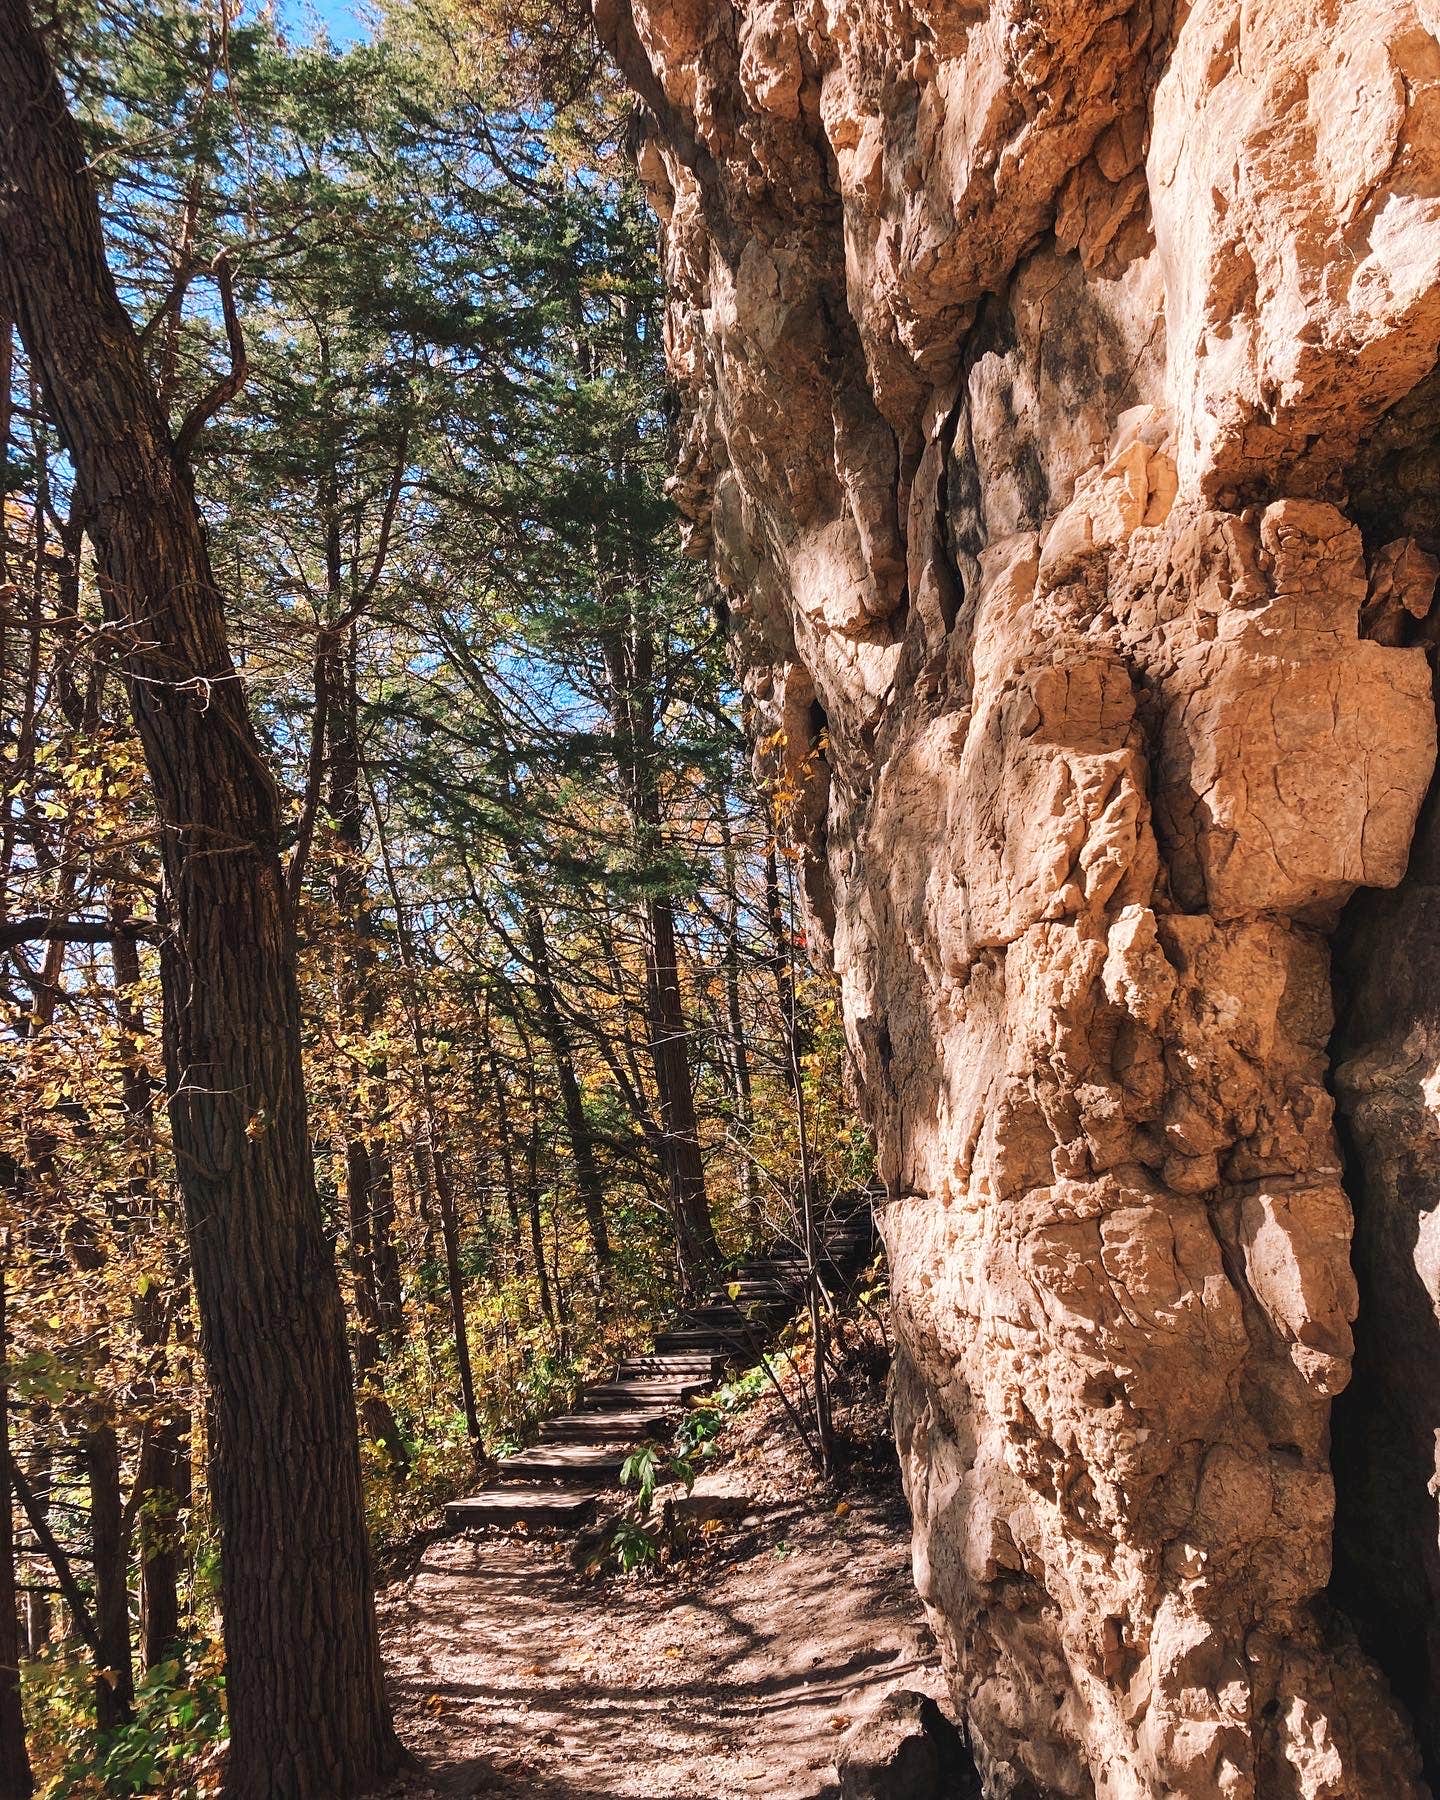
<point>904,1749</point>
<point>1059,419</point>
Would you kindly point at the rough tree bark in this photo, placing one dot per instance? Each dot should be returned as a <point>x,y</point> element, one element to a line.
<point>164,1482</point>
<point>307,1705</point>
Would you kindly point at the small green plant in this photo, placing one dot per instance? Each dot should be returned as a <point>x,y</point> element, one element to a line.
<point>633,1545</point>
<point>697,1430</point>
<point>636,1542</point>
<point>646,1468</point>
<point>179,1714</point>
<point>735,1395</point>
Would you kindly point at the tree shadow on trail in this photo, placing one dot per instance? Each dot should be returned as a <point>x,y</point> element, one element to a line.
<point>728,1678</point>
<point>479,1778</point>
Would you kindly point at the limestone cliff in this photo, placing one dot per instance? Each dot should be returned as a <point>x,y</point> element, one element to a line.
<point>1060,420</point>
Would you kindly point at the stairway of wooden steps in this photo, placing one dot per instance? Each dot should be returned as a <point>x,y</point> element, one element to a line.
<point>559,1480</point>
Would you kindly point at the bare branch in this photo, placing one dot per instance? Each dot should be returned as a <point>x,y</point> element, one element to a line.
<point>40,929</point>
<point>387,524</point>
<point>64,1574</point>
<point>174,295</point>
<point>224,390</point>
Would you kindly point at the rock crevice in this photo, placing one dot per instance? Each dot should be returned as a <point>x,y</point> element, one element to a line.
<point>1058,418</point>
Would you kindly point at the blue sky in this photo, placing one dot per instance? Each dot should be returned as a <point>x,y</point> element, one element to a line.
<point>343,19</point>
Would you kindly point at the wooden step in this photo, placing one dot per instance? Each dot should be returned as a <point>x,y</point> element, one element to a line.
<point>534,1508</point>
<point>583,1464</point>
<point>795,1259</point>
<point>724,1314</point>
<point>637,1394</point>
<point>556,1482</point>
<point>618,1425</point>
<point>715,1340</point>
<point>683,1367</point>
<point>794,1274</point>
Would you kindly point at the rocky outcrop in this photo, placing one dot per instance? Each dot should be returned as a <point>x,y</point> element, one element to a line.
<point>1058,417</point>
<point>904,1749</point>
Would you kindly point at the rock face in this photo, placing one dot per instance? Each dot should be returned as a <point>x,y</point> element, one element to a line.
<point>1059,419</point>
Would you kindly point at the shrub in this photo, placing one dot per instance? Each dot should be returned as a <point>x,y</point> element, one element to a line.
<point>179,1717</point>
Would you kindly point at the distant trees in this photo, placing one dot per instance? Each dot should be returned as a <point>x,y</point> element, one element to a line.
<point>380,872</point>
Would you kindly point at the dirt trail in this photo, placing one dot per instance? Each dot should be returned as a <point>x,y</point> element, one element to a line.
<point>731,1675</point>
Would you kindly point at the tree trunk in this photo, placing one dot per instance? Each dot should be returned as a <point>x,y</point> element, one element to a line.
<point>114,1677</point>
<point>629,650</point>
<point>372,1186</point>
<point>371,1203</point>
<point>740,1054</point>
<point>377,1417</point>
<point>439,1164</point>
<point>532,1182</point>
<point>669,1041</point>
<point>164,1481</point>
<point>505,1146</point>
<point>432,1165</point>
<point>782,962</point>
<point>16,1782</point>
<point>793,1040</point>
<point>163,1477</point>
<point>307,1705</point>
<point>394,1325</point>
<point>114,1681</point>
<point>582,1142</point>
<point>39,1614</point>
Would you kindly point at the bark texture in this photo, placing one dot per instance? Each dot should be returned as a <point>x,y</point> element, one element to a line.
<point>307,1708</point>
<point>1055,415</point>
